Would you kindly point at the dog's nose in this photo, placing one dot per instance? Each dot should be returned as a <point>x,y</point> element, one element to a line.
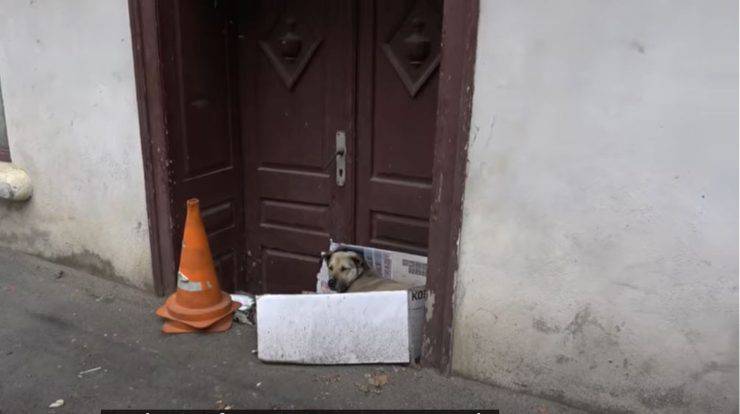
<point>332,284</point>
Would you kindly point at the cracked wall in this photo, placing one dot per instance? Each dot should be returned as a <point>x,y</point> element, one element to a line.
<point>599,246</point>
<point>72,123</point>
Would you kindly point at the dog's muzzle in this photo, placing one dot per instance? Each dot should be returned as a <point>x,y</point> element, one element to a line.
<point>337,286</point>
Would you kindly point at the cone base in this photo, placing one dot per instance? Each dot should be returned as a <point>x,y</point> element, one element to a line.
<point>176,327</point>
<point>164,312</point>
<point>196,317</point>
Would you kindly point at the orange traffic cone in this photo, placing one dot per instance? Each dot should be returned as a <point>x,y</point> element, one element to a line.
<point>199,304</point>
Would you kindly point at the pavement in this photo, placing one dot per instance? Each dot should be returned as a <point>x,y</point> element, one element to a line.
<point>96,344</point>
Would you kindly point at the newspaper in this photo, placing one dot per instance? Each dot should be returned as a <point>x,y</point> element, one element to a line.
<point>407,268</point>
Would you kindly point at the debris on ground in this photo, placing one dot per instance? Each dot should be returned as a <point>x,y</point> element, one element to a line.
<point>259,384</point>
<point>56,404</point>
<point>254,352</point>
<point>375,382</point>
<point>88,371</point>
<point>245,313</point>
<point>378,379</point>
<point>220,405</point>
<point>59,274</point>
<point>241,317</point>
<point>246,300</point>
<point>366,389</point>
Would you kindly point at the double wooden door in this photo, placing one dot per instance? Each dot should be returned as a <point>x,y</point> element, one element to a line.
<point>305,121</point>
<point>338,118</point>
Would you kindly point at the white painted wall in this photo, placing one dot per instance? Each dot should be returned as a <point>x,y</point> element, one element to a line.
<point>599,248</point>
<point>66,69</point>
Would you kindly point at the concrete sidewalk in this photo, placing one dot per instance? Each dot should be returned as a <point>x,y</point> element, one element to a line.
<point>53,327</point>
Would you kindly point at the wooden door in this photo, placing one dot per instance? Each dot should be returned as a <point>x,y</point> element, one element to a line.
<point>311,68</point>
<point>204,157</point>
<point>398,57</point>
<point>297,67</point>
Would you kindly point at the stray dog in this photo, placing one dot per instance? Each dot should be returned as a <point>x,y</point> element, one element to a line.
<point>348,272</point>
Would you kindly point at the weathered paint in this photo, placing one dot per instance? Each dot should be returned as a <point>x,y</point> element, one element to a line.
<point>71,114</point>
<point>599,248</point>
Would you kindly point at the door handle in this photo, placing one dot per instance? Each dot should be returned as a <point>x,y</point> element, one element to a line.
<point>341,152</point>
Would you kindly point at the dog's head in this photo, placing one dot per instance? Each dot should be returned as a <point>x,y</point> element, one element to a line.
<point>345,266</point>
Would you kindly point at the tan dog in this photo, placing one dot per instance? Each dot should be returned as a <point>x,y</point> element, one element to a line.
<point>348,272</point>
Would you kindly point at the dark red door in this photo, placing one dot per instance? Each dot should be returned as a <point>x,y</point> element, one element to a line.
<point>399,50</point>
<point>310,70</point>
<point>297,93</point>
<point>202,125</point>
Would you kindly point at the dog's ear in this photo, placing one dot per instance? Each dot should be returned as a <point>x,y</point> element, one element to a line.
<point>358,260</point>
<point>325,256</point>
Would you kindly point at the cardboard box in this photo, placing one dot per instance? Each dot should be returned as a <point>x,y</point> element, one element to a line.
<point>347,328</point>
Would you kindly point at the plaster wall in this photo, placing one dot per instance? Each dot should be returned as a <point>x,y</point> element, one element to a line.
<point>599,246</point>
<point>66,69</point>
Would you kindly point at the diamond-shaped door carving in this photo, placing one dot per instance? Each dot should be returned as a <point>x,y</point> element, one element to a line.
<point>289,48</point>
<point>414,49</point>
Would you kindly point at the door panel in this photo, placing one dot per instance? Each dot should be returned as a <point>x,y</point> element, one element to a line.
<point>399,46</point>
<point>205,155</point>
<point>297,90</point>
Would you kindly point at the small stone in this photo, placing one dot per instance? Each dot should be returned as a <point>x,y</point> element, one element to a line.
<point>60,274</point>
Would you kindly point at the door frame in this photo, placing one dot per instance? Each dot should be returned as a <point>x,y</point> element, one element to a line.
<point>454,103</point>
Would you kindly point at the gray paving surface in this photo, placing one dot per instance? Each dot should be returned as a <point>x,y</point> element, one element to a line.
<point>51,329</point>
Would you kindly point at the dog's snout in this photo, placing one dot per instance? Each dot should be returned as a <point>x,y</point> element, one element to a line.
<point>332,283</point>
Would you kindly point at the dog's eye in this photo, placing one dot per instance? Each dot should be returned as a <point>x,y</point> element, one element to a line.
<point>331,267</point>
<point>345,268</point>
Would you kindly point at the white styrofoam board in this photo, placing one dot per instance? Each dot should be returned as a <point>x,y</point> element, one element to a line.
<point>350,328</point>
